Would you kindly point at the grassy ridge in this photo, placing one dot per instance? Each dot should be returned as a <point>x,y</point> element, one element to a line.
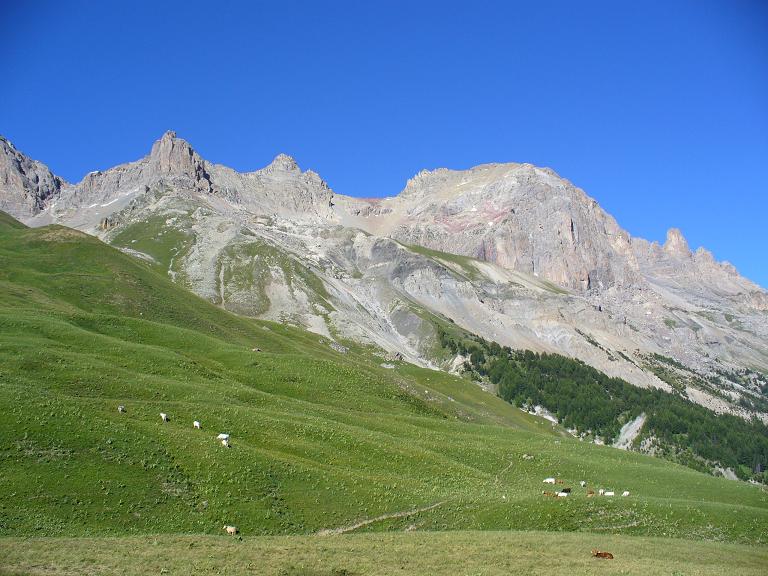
<point>320,440</point>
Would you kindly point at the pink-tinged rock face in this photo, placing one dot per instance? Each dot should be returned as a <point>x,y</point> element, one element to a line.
<point>516,215</point>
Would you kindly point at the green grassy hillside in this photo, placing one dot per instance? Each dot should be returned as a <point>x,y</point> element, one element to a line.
<point>320,440</point>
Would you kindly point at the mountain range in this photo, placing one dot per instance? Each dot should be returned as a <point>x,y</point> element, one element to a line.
<point>512,253</point>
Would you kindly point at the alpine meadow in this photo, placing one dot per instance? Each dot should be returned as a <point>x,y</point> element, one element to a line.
<point>417,288</point>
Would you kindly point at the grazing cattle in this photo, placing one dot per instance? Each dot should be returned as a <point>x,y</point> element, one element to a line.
<point>566,490</point>
<point>196,424</point>
<point>222,436</point>
<point>625,493</point>
<point>601,491</point>
<point>611,493</point>
<point>598,554</point>
<point>231,530</point>
<point>163,416</point>
<point>583,484</point>
<point>121,408</point>
<point>549,480</point>
<point>552,494</point>
<point>562,494</point>
<point>559,481</point>
<point>590,493</point>
<point>255,349</point>
<point>225,442</point>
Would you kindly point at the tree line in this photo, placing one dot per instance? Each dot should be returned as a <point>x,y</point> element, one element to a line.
<point>591,402</point>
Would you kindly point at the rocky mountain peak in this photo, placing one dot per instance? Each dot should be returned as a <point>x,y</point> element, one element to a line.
<point>518,216</point>
<point>676,245</point>
<point>283,163</point>
<point>425,182</point>
<point>173,156</point>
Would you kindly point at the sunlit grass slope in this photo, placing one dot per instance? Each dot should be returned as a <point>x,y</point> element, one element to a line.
<point>462,553</point>
<point>320,439</point>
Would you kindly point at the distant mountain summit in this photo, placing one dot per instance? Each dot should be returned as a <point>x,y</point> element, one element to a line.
<point>511,252</point>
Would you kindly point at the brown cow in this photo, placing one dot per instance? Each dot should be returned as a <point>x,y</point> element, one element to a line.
<point>590,493</point>
<point>598,554</point>
<point>552,494</point>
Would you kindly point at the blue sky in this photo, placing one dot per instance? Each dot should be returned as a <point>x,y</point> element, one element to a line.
<point>658,109</point>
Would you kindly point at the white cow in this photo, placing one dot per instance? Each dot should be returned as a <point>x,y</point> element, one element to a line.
<point>601,491</point>
<point>562,494</point>
<point>222,436</point>
<point>549,480</point>
<point>583,484</point>
<point>196,424</point>
<point>609,493</point>
<point>625,493</point>
<point>163,416</point>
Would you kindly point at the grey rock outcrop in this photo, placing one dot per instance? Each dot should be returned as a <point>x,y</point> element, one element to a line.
<point>174,158</point>
<point>676,245</point>
<point>26,186</point>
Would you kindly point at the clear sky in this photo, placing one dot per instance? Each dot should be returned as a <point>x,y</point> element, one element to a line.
<point>658,109</point>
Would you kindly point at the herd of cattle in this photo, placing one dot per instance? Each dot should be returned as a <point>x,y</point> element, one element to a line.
<point>563,492</point>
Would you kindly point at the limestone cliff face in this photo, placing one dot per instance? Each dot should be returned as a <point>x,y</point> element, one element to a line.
<point>172,157</point>
<point>516,215</point>
<point>511,252</point>
<point>280,189</point>
<point>26,185</point>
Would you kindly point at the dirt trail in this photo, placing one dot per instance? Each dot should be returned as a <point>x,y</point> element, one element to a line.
<point>401,514</point>
<point>497,479</point>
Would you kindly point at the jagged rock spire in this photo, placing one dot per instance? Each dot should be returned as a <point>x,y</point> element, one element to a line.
<point>174,156</point>
<point>676,244</point>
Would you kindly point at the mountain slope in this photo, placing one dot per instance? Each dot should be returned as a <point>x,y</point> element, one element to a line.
<point>510,252</point>
<point>320,439</point>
